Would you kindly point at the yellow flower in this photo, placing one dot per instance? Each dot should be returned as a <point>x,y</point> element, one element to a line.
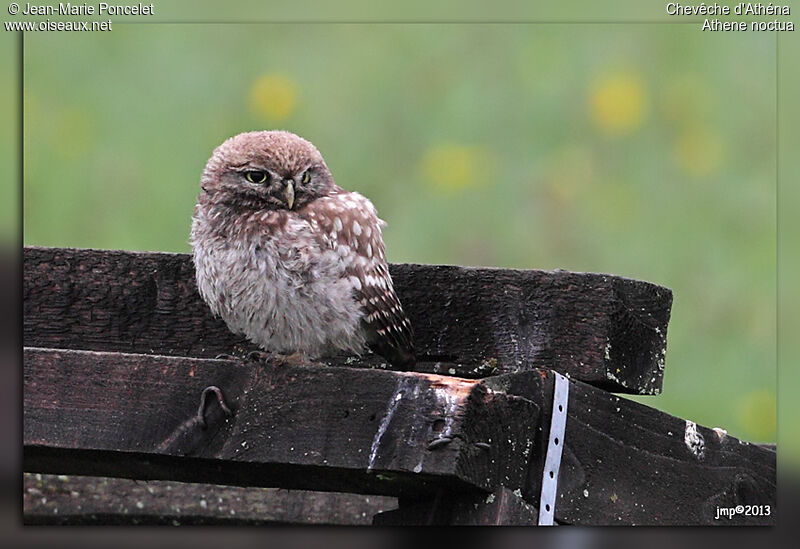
<point>618,103</point>
<point>452,167</point>
<point>698,151</point>
<point>273,96</point>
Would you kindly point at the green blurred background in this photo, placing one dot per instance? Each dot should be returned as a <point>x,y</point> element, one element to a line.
<point>646,151</point>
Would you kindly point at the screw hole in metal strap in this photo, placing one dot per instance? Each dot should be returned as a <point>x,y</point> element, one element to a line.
<point>552,460</point>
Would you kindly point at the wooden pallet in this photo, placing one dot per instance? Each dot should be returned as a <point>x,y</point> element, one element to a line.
<point>119,350</point>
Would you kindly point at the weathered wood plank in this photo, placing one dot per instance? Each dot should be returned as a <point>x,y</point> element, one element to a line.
<point>626,463</point>
<point>502,507</point>
<point>303,427</point>
<point>606,330</point>
<point>321,427</point>
<point>78,500</point>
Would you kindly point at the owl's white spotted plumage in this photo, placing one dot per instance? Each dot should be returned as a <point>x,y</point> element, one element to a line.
<point>290,259</point>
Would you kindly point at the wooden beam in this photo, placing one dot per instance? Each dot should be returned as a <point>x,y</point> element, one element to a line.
<point>626,463</point>
<point>302,427</point>
<point>78,500</point>
<point>503,507</point>
<point>472,322</point>
<point>345,429</point>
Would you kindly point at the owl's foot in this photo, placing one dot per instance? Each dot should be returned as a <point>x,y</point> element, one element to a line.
<point>295,359</point>
<point>277,359</point>
<point>252,356</point>
<point>262,356</point>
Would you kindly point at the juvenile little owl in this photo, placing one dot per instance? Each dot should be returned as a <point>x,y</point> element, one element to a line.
<point>291,260</point>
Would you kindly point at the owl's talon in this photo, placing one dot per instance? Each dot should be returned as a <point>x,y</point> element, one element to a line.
<point>261,356</point>
<point>224,356</point>
<point>201,411</point>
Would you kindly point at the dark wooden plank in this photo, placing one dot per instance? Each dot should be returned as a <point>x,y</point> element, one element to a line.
<point>303,427</point>
<point>471,322</point>
<point>503,507</point>
<point>78,500</point>
<point>626,463</point>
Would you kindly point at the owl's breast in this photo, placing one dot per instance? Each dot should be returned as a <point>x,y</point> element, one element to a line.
<point>282,286</point>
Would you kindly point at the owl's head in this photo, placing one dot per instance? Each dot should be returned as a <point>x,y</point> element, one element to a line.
<point>267,169</point>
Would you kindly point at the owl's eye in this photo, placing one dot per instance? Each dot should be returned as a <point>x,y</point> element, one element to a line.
<point>256,177</point>
<point>306,177</point>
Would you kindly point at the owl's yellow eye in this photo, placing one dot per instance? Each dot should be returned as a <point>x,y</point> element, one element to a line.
<point>306,177</point>
<point>256,177</point>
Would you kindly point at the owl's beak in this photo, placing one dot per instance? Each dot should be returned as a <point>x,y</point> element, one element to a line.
<point>288,193</point>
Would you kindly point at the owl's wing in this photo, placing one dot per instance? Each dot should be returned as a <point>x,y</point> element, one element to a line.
<point>388,330</point>
<point>352,227</point>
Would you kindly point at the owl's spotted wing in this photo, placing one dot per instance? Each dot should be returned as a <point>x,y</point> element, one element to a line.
<point>349,224</point>
<point>388,329</point>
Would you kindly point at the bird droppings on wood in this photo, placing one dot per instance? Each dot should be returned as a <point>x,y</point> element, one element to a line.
<point>694,440</point>
<point>394,402</point>
<point>528,446</point>
<point>612,376</point>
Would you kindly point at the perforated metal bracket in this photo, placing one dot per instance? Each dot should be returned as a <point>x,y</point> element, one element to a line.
<point>555,444</point>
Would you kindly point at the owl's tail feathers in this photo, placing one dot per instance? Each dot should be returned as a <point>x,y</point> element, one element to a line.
<point>399,351</point>
<point>386,327</point>
<point>400,357</point>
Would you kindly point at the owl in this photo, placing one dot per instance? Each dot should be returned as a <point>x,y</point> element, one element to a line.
<point>291,260</point>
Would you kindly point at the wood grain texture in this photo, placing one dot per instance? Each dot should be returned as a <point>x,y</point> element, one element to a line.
<point>626,463</point>
<point>79,500</point>
<point>378,432</point>
<point>502,507</point>
<point>472,322</point>
<point>301,427</point>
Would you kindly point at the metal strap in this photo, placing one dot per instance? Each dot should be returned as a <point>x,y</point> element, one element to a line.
<point>552,461</point>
